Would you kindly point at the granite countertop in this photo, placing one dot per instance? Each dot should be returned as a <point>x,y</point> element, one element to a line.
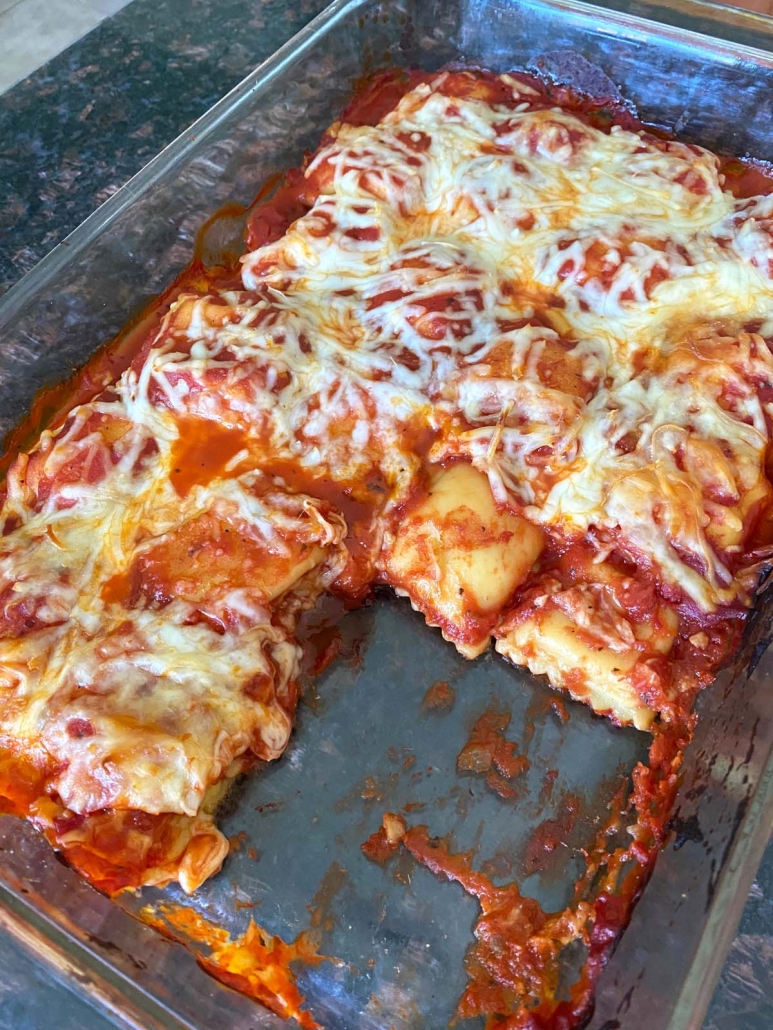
<point>72,133</point>
<point>79,127</point>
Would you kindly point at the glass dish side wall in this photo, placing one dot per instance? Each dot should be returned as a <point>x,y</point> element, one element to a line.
<point>143,237</point>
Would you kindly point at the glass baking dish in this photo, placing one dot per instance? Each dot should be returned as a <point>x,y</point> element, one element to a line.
<point>363,742</point>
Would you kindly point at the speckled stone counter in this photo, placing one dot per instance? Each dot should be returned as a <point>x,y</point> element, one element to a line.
<point>70,135</point>
<point>79,127</point>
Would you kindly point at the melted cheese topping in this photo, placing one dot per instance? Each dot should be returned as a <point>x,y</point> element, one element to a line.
<point>479,280</point>
<point>454,218</point>
<point>145,645</point>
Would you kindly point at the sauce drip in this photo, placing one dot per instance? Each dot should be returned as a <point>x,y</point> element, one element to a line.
<point>440,698</point>
<point>488,752</point>
<point>256,964</point>
<point>516,961</point>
